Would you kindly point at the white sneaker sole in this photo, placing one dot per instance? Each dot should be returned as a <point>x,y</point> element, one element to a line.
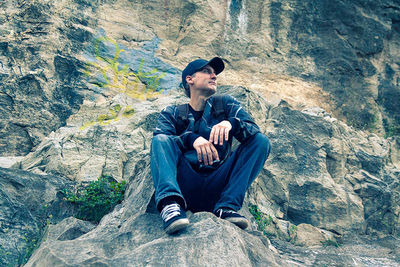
<point>240,222</point>
<point>177,226</point>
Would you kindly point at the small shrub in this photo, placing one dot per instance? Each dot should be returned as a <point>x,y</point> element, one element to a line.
<point>96,199</point>
<point>292,229</point>
<point>292,234</point>
<point>33,241</point>
<point>262,220</point>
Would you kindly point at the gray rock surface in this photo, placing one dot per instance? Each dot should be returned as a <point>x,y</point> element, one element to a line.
<point>40,83</point>
<point>7,162</point>
<point>352,251</point>
<point>28,203</point>
<point>208,241</point>
<point>324,173</point>
<point>132,235</point>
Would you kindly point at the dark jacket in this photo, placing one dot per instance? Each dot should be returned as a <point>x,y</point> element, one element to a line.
<point>243,125</point>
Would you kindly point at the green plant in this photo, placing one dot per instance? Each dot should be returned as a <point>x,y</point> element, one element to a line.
<point>292,229</point>
<point>96,199</point>
<point>262,220</point>
<point>33,241</point>
<point>292,234</point>
<point>330,242</point>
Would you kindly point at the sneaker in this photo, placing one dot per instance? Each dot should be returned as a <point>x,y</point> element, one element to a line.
<point>233,217</point>
<point>174,218</point>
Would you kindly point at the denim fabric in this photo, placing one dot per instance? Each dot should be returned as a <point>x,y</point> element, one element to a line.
<point>225,187</point>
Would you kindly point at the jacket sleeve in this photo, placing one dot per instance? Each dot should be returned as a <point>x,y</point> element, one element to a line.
<point>244,126</point>
<point>167,124</point>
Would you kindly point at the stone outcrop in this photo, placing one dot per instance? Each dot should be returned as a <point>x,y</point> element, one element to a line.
<point>28,204</point>
<point>40,84</point>
<point>324,173</point>
<point>132,235</point>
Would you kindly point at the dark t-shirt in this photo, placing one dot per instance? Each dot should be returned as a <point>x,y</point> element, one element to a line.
<point>196,114</point>
<point>193,136</point>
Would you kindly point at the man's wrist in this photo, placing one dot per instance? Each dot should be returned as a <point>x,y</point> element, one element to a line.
<point>234,124</point>
<point>191,138</point>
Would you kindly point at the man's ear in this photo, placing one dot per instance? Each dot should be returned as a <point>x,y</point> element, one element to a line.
<point>189,79</point>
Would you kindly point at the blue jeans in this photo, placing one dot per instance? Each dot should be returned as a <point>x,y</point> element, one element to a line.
<point>224,187</point>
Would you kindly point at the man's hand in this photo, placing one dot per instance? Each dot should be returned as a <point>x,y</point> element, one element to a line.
<point>206,152</point>
<point>220,132</point>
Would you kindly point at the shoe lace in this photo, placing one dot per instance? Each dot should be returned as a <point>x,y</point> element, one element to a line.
<point>170,211</point>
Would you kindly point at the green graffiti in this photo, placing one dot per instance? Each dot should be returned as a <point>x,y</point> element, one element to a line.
<point>115,113</point>
<point>135,84</point>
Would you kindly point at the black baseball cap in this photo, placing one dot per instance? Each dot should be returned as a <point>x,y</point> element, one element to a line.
<point>216,63</point>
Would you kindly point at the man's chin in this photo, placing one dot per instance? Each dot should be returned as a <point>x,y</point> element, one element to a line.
<point>207,92</point>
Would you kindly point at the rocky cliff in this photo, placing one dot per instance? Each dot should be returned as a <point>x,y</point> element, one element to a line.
<point>81,86</point>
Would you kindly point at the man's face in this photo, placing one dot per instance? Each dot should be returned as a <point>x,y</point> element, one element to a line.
<point>205,80</point>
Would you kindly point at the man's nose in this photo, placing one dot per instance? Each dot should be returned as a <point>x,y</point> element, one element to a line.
<point>213,75</point>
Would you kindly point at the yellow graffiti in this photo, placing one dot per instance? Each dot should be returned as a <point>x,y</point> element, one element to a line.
<point>135,84</point>
<point>115,113</point>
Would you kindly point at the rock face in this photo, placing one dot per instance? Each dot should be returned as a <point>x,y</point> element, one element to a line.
<point>28,203</point>
<point>340,55</point>
<point>325,174</point>
<point>39,74</point>
<point>81,87</point>
<point>320,172</point>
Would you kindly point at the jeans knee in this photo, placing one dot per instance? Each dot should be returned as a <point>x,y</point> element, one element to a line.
<point>262,142</point>
<point>161,138</point>
<point>160,141</point>
<point>164,144</point>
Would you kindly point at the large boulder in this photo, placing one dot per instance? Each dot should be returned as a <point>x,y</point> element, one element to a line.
<point>132,235</point>
<point>208,241</point>
<point>324,173</point>
<point>28,204</point>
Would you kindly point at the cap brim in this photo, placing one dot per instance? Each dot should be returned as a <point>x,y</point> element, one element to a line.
<point>217,64</point>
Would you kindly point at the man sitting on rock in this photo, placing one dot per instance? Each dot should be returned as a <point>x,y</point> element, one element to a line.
<point>191,160</point>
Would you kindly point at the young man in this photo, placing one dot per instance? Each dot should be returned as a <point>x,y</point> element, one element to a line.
<point>191,160</point>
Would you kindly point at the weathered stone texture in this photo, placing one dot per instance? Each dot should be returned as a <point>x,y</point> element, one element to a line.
<point>40,78</point>
<point>28,202</point>
<point>79,98</point>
